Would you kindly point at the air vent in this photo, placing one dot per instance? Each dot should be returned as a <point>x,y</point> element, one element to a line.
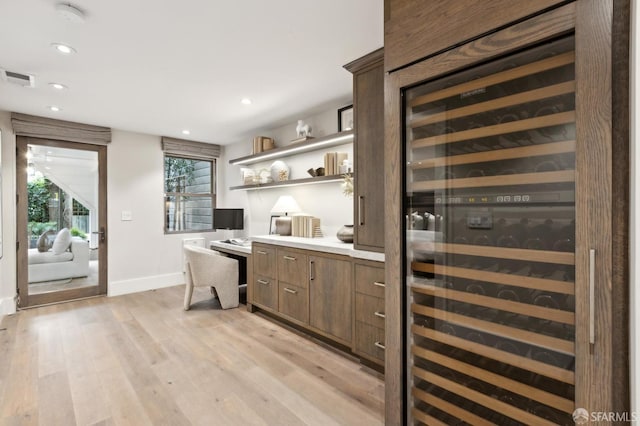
<point>24,80</point>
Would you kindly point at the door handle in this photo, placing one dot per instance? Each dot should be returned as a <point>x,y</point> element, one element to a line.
<point>360,209</point>
<point>379,314</point>
<point>311,270</point>
<point>102,233</point>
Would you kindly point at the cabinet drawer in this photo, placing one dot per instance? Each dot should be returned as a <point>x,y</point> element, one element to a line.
<point>265,292</point>
<point>264,260</point>
<point>293,268</point>
<point>370,310</point>
<point>293,301</point>
<point>369,341</point>
<point>370,280</point>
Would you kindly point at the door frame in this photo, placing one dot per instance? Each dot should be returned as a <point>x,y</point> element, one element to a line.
<point>24,299</point>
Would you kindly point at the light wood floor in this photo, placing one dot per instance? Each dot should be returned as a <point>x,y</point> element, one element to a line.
<point>141,360</point>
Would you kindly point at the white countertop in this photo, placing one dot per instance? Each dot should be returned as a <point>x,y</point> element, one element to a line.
<point>324,244</point>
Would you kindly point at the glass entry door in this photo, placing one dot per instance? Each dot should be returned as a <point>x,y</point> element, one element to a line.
<point>61,221</point>
<point>490,242</point>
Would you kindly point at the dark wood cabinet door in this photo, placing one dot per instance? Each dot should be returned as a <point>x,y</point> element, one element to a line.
<point>293,301</point>
<point>292,267</point>
<point>595,365</point>
<point>368,108</point>
<point>265,292</point>
<point>417,29</point>
<point>330,296</point>
<point>264,260</point>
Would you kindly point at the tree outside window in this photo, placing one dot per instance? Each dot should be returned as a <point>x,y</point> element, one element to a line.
<point>189,186</point>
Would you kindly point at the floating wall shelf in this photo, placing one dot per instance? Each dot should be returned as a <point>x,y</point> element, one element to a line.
<point>292,182</point>
<point>328,141</point>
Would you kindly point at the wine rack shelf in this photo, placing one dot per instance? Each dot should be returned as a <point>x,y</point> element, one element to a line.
<point>527,282</point>
<point>491,302</point>
<point>503,154</point>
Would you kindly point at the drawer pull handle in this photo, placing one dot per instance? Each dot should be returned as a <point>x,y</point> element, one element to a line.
<point>289,258</point>
<point>379,314</point>
<point>592,294</point>
<point>288,290</point>
<point>261,252</point>
<point>378,284</point>
<point>263,282</point>
<point>379,345</point>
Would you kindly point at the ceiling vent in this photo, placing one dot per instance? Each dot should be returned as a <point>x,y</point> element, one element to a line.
<point>24,80</point>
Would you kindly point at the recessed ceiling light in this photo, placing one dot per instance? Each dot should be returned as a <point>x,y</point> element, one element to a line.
<point>186,132</point>
<point>63,48</point>
<point>54,108</point>
<point>246,101</point>
<point>58,86</point>
<point>70,12</point>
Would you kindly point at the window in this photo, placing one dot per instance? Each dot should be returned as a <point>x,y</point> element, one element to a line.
<point>189,187</point>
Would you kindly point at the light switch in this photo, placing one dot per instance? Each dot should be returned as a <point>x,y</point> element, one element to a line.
<point>126,215</point>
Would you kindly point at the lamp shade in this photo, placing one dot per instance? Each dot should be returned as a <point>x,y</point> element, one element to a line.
<point>286,204</point>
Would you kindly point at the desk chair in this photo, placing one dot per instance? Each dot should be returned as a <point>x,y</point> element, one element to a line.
<point>209,268</point>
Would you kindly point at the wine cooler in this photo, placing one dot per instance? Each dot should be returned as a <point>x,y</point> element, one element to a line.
<point>489,213</point>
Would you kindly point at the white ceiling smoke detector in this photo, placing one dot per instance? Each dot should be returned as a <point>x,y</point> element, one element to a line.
<point>24,80</point>
<point>70,13</point>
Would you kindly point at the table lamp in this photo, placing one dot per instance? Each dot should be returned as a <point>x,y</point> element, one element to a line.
<point>285,204</point>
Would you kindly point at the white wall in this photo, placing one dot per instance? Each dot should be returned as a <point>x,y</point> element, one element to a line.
<point>141,256</point>
<point>323,200</point>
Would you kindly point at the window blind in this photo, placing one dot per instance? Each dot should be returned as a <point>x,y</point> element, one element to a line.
<point>184,148</point>
<point>49,128</point>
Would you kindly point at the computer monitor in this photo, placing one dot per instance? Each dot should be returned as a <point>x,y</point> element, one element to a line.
<point>228,218</point>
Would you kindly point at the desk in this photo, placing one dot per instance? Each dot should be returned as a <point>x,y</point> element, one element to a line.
<point>243,255</point>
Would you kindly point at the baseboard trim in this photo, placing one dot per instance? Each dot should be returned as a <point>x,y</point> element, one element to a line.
<point>136,285</point>
<point>7,306</point>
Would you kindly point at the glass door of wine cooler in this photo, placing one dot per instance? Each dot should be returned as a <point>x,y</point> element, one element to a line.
<point>490,242</point>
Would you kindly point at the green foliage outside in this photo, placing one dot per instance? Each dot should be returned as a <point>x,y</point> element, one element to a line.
<point>178,173</point>
<point>38,228</point>
<point>38,203</point>
<point>75,232</point>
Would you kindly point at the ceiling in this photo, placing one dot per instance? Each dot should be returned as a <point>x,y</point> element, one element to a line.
<point>159,67</point>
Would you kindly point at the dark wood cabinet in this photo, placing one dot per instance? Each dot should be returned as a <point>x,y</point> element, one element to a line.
<point>263,287</point>
<point>293,301</point>
<point>292,267</point>
<point>264,260</point>
<point>330,296</point>
<point>311,289</point>
<point>368,108</point>
<point>417,29</point>
<point>265,292</point>
<point>369,317</point>
<point>510,309</point>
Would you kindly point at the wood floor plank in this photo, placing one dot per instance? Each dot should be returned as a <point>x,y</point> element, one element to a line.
<point>140,359</point>
<point>19,395</point>
<point>55,404</point>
